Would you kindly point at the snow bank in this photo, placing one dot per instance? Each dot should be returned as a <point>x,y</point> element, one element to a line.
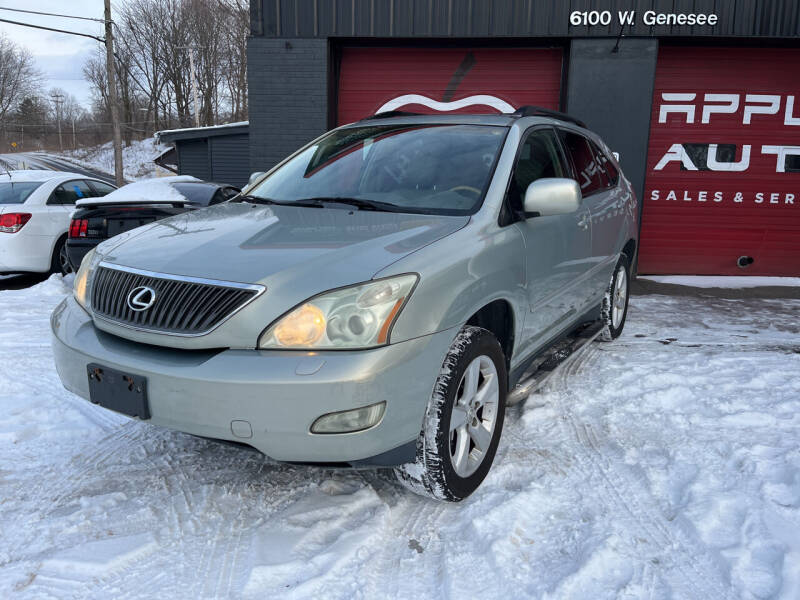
<point>137,159</point>
<point>663,465</point>
<point>720,281</point>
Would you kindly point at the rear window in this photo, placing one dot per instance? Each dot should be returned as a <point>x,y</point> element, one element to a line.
<point>196,193</point>
<point>17,193</point>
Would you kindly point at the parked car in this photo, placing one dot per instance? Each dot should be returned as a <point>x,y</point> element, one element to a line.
<point>35,208</point>
<point>136,204</point>
<point>369,301</point>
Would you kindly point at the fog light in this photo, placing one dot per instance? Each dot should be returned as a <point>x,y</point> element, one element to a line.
<point>348,421</point>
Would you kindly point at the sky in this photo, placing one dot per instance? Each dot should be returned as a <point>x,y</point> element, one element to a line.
<point>58,56</point>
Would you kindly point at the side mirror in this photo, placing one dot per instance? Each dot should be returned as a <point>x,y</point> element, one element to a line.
<point>254,177</point>
<point>552,196</point>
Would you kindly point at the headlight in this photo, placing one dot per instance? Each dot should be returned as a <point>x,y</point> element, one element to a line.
<point>80,287</point>
<point>360,316</point>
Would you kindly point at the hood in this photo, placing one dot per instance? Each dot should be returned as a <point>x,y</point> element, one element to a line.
<point>255,243</point>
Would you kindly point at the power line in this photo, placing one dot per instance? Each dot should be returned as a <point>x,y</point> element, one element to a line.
<point>33,12</point>
<point>94,37</point>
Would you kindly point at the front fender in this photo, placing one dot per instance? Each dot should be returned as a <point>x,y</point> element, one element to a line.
<point>459,275</point>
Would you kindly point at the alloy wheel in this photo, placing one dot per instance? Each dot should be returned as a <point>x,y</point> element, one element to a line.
<point>474,416</point>
<point>619,297</point>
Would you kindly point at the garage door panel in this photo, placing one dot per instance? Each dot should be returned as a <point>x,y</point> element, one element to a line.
<point>736,99</point>
<point>449,80</point>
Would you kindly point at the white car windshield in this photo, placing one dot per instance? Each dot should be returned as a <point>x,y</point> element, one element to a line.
<point>439,169</point>
<point>17,193</point>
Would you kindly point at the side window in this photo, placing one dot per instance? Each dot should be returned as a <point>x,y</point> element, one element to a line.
<point>610,173</point>
<point>588,173</point>
<point>101,189</point>
<point>539,157</point>
<point>70,192</point>
<point>611,170</point>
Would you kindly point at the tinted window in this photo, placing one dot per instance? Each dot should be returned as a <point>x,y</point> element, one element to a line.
<point>196,193</point>
<point>588,173</point>
<point>441,169</point>
<point>611,170</point>
<point>610,174</point>
<point>17,193</point>
<point>539,157</point>
<point>101,189</point>
<point>70,192</point>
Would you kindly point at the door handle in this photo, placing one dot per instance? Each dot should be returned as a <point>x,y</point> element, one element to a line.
<point>584,222</point>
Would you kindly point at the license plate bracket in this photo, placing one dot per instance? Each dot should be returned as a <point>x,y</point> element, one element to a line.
<point>118,391</point>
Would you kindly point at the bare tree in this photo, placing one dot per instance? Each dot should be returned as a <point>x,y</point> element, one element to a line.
<point>18,76</point>
<point>154,41</point>
<point>237,25</point>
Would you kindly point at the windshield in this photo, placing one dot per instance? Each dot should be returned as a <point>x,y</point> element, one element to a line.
<point>17,193</point>
<point>196,193</point>
<point>440,169</point>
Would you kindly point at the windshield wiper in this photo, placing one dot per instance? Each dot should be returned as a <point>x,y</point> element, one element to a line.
<point>254,199</point>
<point>359,203</point>
<point>262,200</point>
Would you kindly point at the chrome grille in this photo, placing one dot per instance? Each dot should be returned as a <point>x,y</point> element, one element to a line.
<point>182,306</point>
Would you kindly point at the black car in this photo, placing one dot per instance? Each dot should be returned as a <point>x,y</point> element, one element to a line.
<point>136,204</point>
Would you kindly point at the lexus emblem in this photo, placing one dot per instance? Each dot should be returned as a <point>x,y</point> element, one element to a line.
<point>141,298</point>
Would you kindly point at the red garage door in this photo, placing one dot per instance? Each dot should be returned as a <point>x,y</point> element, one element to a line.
<point>476,80</point>
<point>723,165</point>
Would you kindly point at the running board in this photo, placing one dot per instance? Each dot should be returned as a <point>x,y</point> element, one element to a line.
<point>555,357</point>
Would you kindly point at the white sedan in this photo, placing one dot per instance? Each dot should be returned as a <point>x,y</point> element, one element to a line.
<point>35,210</point>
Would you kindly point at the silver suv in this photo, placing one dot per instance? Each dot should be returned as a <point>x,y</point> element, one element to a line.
<point>370,301</point>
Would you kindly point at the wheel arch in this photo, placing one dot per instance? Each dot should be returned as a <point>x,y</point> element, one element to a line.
<point>629,250</point>
<point>56,242</point>
<point>497,317</point>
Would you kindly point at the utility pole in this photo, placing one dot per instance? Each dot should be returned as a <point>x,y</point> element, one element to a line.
<point>74,143</point>
<point>58,100</point>
<point>194,82</point>
<point>112,95</point>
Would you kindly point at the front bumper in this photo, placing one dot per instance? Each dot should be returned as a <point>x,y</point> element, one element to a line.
<point>279,393</point>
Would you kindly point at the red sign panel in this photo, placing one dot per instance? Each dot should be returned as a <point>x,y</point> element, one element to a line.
<point>446,80</point>
<point>722,193</point>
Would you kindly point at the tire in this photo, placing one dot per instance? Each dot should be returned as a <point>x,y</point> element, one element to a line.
<point>60,261</point>
<point>450,465</point>
<point>615,302</point>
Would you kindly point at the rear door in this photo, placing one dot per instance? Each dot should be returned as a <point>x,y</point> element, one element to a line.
<point>61,204</point>
<point>598,202</point>
<point>556,247</point>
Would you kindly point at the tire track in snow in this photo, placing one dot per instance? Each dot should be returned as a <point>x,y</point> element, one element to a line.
<point>410,517</point>
<point>674,548</point>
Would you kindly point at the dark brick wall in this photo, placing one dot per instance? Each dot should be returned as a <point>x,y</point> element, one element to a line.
<point>288,96</point>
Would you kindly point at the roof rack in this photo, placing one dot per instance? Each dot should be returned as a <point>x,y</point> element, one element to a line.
<point>392,113</point>
<point>538,111</point>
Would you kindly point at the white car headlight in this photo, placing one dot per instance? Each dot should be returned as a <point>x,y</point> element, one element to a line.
<point>80,287</point>
<point>359,316</point>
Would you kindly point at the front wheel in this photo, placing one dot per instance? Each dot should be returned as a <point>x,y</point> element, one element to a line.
<point>463,420</point>
<point>615,302</point>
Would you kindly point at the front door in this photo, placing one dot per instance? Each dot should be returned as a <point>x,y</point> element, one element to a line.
<point>558,248</point>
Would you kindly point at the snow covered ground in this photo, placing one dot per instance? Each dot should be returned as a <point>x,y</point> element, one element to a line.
<point>664,465</point>
<point>137,159</point>
<point>724,281</point>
